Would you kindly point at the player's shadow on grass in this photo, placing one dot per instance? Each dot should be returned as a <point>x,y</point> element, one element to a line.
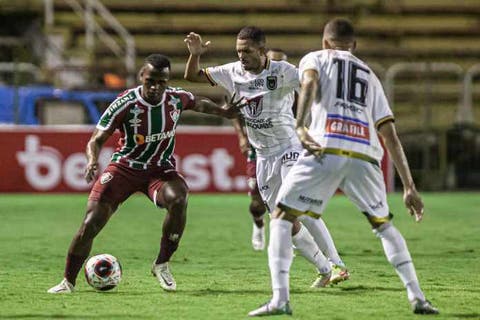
<point>465,316</point>
<point>360,288</point>
<point>73,316</point>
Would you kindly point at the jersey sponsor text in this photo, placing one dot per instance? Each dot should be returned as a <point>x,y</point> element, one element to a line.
<point>347,128</point>
<point>259,123</point>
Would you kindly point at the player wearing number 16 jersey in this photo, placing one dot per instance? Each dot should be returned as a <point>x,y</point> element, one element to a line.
<point>349,112</point>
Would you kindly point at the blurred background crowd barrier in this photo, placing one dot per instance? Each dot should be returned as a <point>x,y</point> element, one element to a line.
<point>63,61</point>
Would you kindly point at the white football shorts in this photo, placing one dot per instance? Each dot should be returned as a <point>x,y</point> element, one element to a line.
<point>272,170</point>
<point>313,181</point>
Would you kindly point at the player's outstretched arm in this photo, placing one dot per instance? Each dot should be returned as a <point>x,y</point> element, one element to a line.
<point>230,110</point>
<point>196,47</point>
<point>94,145</point>
<point>411,197</point>
<point>309,86</point>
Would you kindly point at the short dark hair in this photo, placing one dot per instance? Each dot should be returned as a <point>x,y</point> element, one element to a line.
<point>158,61</point>
<point>339,29</point>
<point>252,33</point>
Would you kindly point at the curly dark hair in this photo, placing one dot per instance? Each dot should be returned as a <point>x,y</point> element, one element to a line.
<point>158,61</point>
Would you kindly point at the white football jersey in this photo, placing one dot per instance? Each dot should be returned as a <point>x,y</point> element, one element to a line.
<point>270,94</point>
<point>350,104</point>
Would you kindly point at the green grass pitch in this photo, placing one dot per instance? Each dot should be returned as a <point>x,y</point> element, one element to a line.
<point>219,276</point>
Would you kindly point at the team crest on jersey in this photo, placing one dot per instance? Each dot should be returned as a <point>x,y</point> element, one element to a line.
<point>107,176</point>
<point>175,114</point>
<point>136,111</point>
<point>254,106</point>
<point>272,82</point>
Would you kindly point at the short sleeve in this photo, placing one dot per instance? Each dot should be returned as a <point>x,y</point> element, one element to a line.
<point>113,116</point>
<point>188,100</point>
<point>381,111</point>
<point>291,76</point>
<point>221,76</point>
<point>308,62</point>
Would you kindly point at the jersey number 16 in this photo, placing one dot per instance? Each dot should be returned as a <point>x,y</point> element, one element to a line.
<point>356,87</point>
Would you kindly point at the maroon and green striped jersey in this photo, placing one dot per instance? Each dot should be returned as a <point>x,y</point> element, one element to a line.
<point>147,131</point>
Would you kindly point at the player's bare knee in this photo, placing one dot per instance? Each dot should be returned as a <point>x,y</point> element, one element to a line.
<point>257,208</point>
<point>176,203</point>
<point>296,227</point>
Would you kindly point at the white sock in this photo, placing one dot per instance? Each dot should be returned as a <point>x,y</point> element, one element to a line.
<point>322,237</point>
<point>397,254</point>
<point>307,247</point>
<point>279,260</point>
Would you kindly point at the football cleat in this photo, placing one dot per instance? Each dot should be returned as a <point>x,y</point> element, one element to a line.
<point>258,238</point>
<point>62,287</point>
<point>164,276</point>
<point>322,280</point>
<point>267,310</point>
<point>423,307</point>
<point>339,274</point>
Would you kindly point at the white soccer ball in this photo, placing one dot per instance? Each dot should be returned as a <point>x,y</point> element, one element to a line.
<point>103,272</point>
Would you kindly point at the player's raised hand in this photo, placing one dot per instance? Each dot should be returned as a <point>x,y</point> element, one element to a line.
<point>195,44</point>
<point>233,108</point>
<point>414,203</point>
<point>309,143</point>
<point>91,171</point>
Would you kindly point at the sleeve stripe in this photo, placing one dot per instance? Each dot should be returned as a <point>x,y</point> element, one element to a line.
<point>383,120</point>
<point>113,116</point>
<point>209,77</point>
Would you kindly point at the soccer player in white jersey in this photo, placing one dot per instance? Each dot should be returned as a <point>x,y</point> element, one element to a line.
<point>269,86</point>
<point>349,112</point>
<point>256,207</point>
<point>146,117</point>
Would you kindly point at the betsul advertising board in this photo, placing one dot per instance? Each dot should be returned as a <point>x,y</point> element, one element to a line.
<point>52,158</point>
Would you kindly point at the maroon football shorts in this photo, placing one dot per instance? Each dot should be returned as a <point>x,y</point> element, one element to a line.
<point>252,177</point>
<point>119,181</point>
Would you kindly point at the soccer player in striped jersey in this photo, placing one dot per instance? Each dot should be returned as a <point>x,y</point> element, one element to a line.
<point>269,88</point>
<point>146,117</point>
<point>349,115</point>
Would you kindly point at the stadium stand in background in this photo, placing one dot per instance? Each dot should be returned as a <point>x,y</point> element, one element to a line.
<point>424,51</point>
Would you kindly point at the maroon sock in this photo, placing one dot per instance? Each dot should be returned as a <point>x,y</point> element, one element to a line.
<point>73,266</point>
<point>167,247</point>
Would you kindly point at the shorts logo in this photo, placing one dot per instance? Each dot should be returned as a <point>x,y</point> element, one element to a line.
<point>309,200</point>
<point>377,205</point>
<point>107,176</point>
<point>254,106</point>
<point>264,188</point>
<point>290,157</point>
<point>272,82</point>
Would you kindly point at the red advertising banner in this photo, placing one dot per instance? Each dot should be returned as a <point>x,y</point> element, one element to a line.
<point>52,158</point>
